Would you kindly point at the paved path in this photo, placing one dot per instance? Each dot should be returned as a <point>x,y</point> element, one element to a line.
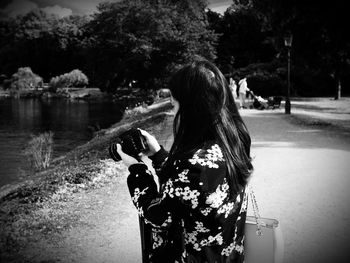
<point>301,178</point>
<point>326,111</point>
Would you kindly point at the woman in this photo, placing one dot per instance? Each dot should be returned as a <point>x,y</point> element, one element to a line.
<point>198,214</point>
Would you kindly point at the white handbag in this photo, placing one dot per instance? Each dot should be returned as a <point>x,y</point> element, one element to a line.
<point>263,237</point>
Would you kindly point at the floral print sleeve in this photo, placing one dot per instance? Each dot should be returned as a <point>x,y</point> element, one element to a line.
<point>176,193</point>
<point>203,220</point>
<point>142,187</point>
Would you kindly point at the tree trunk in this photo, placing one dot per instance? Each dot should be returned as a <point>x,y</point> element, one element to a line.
<point>338,89</point>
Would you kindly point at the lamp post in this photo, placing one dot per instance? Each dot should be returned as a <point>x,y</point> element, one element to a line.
<point>288,43</point>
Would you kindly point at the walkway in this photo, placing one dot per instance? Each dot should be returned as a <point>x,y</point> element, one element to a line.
<point>301,178</point>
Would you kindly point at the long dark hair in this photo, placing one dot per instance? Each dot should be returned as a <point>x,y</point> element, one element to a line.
<point>207,111</point>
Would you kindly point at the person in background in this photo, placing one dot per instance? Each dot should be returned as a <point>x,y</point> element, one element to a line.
<point>233,87</point>
<point>199,212</point>
<point>243,89</point>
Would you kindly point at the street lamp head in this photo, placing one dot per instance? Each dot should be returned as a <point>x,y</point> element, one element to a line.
<point>288,38</point>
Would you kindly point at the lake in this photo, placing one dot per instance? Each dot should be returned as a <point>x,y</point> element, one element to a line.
<point>72,123</point>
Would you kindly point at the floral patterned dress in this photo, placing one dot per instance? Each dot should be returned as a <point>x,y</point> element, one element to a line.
<point>192,218</point>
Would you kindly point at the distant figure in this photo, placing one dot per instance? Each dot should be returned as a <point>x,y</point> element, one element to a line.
<point>243,88</point>
<point>233,87</point>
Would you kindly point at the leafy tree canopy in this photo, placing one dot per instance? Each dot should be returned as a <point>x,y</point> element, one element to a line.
<point>46,42</point>
<point>25,79</point>
<point>144,40</point>
<point>321,42</point>
<point>319,28</point>
<point>242,39</point>
<point>75,78</point>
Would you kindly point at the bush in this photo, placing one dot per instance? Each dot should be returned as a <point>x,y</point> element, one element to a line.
<point>39,150</point>
<point>310,83</point>
<point>25,79</point>
<point>264,79</point>
<point>266,86</point>
<point>75,78</point>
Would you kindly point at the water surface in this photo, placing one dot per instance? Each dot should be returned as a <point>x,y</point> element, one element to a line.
<point>72,123</point>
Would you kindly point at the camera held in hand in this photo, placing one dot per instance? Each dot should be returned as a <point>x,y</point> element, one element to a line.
<point>132,142</point>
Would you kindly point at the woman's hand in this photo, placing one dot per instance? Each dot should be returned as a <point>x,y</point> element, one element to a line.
<point>152,143</point>
<point>127,159</point>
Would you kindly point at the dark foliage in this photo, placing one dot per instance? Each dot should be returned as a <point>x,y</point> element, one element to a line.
<point>137,44</point>
<point>321,42</point>
<point>252,32</point>
<point>49,45</point>
<point>124,44</point>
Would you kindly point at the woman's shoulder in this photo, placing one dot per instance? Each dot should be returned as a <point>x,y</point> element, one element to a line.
<point>209,155</point>
<point>205,169</point>
<point>205,160</point>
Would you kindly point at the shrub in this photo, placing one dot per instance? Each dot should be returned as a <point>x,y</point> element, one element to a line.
<point>39,150</point>
<point>75,78</point>
<point>264,79</point>
<point>270,85</point>
<point>25,79</point>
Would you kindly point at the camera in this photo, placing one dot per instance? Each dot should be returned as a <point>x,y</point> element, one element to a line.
<point>132,142</point>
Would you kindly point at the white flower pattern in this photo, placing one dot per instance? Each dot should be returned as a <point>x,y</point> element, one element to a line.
<point>157,240</point>
<point>233,246</point>
<point>216,199</point>
<point>182,176</point>
<point>135,199</point>
<point>210,159</point>
<point>191,237</point>
<point>200,227</point>
<point>189,195</point>
<point>167,221</point>
<point>229,207</point>
<point>206,211</point>
<point>244,205</point>
<point>137,194</point>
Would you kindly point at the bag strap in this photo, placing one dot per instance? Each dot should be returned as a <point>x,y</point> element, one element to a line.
<point>255,210</point>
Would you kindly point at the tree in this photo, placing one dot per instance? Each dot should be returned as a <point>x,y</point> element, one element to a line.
<point>9,58</point>
<point>47,43</point>
<point>321,38</point>
<point>25,79</point>
<point>242,40</point>
<point>75,78</point>
<point>124,42</point>
<point>143,41</point>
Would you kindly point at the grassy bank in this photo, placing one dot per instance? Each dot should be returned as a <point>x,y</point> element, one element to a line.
<point>36,208</point>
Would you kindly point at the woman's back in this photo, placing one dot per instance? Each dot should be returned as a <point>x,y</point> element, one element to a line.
<point>196,219</point>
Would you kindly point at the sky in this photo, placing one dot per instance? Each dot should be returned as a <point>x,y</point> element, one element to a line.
<point>64,8</point>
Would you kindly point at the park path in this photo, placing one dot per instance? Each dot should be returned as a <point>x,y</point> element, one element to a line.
<point>301,178</point>
<point>323,111</point>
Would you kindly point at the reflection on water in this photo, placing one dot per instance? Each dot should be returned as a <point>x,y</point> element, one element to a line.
<point>70,121</point>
